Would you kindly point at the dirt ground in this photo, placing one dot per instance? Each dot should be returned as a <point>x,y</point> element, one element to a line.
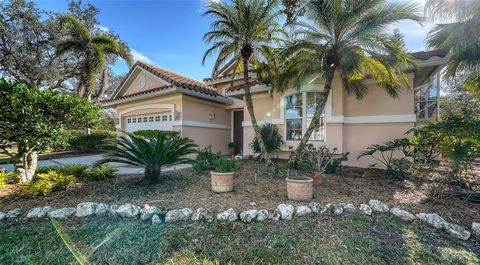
<point>186,189</point>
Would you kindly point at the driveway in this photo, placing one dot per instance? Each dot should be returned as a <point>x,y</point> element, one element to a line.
<point>90,160</point>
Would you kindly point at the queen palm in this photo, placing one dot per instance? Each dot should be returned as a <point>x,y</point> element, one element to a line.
<point>245,32</point>
<point>347,37</point>
<point>93,51</point>
<point>459,34</point>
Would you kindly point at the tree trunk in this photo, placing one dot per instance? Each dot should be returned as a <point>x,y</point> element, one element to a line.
<point>249,103</point>
<point>25,167</point>
<point>80,88</point>
<point>103,85</point>
<point>316,117</point>
<point>152,174</point>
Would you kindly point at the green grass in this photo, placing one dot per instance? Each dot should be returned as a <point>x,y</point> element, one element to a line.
<point>313,240</point>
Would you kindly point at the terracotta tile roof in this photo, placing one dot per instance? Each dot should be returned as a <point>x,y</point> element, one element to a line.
<point>425,55</point>
<point>176,80</point>
<point>240,86</point>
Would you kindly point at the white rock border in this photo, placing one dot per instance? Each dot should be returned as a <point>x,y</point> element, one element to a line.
<point>281,212</point>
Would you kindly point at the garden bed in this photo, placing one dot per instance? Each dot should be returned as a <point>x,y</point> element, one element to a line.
<point>186,189</point>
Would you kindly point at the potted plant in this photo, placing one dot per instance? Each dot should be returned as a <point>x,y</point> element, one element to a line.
<point>222,176</point>
<point>299,188</point>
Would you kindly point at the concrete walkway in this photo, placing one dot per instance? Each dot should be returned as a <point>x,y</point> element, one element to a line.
<point>90,160</point>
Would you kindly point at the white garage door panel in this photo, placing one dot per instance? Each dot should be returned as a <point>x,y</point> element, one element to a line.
<point>158,121</point>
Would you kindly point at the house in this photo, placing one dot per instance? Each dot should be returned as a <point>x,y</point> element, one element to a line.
<point>212,112</point>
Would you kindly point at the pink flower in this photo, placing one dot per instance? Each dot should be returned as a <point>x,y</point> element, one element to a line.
<point>146,207</point>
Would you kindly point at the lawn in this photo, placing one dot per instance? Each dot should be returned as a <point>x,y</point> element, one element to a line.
<point>353,239</point>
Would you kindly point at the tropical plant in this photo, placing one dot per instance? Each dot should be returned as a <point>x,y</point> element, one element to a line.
<point>150,154</point>
<point>99,172</point>
<point>205,159</point>
<point>46,183</point>
<point>320,160</point>
<point>6,177</point>
<point>33,119</point>
<point>223,165</point>
<point>458,33</point>
<point>74,169</point>
<point>95,49</point>
<point>348,37</point>
<point>271,137</point>
<point>243,32</point>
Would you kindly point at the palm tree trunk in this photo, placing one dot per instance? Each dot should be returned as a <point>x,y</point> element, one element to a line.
<point>249,103</point>
<point>316,117</point>
<point>103,85</point>
<point>152,174</point>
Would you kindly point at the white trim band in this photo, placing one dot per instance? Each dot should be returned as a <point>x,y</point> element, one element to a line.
<point>201,124</point>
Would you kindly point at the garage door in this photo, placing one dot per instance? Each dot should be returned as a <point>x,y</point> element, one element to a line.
<point>158,121</point>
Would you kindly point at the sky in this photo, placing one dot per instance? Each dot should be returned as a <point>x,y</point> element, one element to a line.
<point>168,33</point>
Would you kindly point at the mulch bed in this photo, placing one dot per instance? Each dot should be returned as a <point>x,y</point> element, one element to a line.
<point>186,189</point>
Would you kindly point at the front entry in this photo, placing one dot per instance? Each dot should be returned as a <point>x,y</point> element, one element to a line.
<point>238,131</point>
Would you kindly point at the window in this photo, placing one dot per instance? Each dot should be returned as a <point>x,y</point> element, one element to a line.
<point>426,99</point>
<point>157,118</point>
<point>164,117</point>
<point>150,119</point>
<point>139,119</point>
<point>145,119</point>
<point>134,120</point>
<point>170,117</point>
<point>299,111</point>
<point>129,120</point>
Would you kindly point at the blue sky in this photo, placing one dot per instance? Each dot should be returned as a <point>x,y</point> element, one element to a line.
<point>169,33</point>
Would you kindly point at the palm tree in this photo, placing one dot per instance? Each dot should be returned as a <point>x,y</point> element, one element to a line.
<point>461,37</point>
<point>244,31</point>
<point>93,51</point>
<point>151,154</point>
<point>348,37</point>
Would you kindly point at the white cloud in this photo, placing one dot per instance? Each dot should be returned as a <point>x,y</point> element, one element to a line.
<point>138,56</point>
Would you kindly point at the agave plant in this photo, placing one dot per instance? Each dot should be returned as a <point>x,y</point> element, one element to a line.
<point>152,154</point>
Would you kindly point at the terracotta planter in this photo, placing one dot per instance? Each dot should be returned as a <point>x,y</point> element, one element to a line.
<point>317,179</point>
<point>222,182</point>
<point>300,190</point>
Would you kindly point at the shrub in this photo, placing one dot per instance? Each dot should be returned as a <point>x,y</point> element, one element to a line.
<point>99,172</point>
<point>205,160</point>
<point>223,164</point>
<point>6,177</point>
<point>271,137</point>
<point>319,160</point>
<point>44,184</point>
<point>44,170</point>
<point>395,167</point>
<point>75,169</point>
<point>152,134</point>
<point>91,143</point>
<point>152,154</point>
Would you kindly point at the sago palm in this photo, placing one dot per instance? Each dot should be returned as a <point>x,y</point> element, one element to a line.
<point>151,154</point>
<point>347,37</point>
<point>93,51</point>
<point>244,31</point>
<point>458,33</point>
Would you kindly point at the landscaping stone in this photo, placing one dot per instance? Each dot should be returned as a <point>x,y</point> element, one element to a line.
<point>349,208</point>
<point>113,210</point>
<point>102,209</point>
<point>457,231</point>
<point>62,213</point>
<point>476,228</point>
<point>128,210</point>
<point>432,219</point>
<point>3,216</point>
<point>156,219</point>
<point>39,212</point>
<point>286,211</point>
<point>228,215</point>
<point>253,204</point>
<point>178,215</point>
<point>86,209</point>
<point>202,214</point>
<point>14,213</point>
<point>315,207</point>
<point>274,215</point>
<point>147,212</point>
<point>402,214</point>
<point>262,215</point>
<point>337,209</point>
<point>302,210</point>
<point>378,206</point>
<point>248,215</point>
<point>366,209</point>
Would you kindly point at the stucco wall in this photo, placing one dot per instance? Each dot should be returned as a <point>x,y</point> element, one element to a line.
<point>150,83</point>
<point>218,139</point>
